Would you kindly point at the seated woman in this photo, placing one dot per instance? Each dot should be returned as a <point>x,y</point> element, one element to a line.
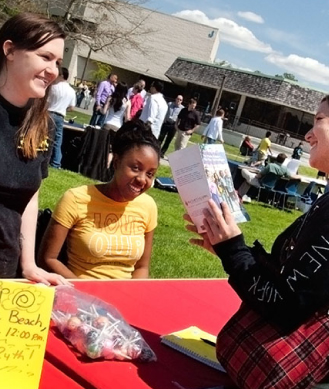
<point>288,288</point>
<point>246,147</point>
<point>109,227</point>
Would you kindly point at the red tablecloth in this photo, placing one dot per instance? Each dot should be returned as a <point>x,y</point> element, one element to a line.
<point>52,378</point>
<point>154,307</point>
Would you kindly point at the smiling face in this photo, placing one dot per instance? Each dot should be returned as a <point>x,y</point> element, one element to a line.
<point>318,138</point>
<point>133,173</point>
<point>29,73</point>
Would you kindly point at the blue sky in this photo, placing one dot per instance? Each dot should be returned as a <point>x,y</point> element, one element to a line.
<point>274,37</point>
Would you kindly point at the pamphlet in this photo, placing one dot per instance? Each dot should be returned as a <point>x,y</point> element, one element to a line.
<point>201,172</point>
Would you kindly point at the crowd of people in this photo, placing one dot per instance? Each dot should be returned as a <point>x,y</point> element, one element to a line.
<point>108,228</point>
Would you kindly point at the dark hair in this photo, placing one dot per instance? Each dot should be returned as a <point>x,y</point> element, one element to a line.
<point>118,95</point>
<point>65,73</point>
<point>158,85</point>
<point>29,32</point>
<point>134,134</point>
<point>281,157</point>
<point>268,134</point>
<point>193,100</point>
<point>138,86</point>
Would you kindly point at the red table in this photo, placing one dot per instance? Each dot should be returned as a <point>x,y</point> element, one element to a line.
<point>52,378</point>
<point>154,307</point>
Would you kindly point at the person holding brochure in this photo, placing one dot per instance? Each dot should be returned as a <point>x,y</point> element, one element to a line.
<point>285,293</point>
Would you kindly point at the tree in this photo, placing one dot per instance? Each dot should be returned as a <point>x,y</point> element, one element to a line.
<point>110,26</point>
<point>287,76</point>
<point>224,63</point>
<point>102,71</point>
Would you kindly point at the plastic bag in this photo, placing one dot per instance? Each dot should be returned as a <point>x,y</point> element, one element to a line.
<point>96,328</point>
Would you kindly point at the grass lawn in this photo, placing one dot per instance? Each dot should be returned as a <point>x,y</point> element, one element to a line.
<point>173,256</point>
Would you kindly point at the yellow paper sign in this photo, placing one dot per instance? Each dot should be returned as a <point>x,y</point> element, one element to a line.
<point>25,312</point>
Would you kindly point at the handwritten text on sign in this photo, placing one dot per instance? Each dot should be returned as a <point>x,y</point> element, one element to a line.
<point>24,322</point>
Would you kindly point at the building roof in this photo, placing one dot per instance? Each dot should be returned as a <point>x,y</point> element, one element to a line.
<point>273,89</point>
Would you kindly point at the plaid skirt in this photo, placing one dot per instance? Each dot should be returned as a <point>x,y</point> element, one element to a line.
<point>258,355</point>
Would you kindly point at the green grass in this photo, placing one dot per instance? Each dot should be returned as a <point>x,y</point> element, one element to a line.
<point>173,256</point>
<point>81,118</point>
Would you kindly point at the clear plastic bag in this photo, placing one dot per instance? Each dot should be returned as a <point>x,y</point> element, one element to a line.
<point>96,328</point>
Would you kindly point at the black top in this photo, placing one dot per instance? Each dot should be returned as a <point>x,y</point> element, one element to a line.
<point>20,179</point>
<point>292,283</point>
<point>188,119</point>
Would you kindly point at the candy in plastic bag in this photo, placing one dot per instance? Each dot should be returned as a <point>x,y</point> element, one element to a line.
<point>96,328</point>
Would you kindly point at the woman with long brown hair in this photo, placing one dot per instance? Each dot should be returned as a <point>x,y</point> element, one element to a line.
<point>31,50</point>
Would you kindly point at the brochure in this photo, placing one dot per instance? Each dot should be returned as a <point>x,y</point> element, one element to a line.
<point>201,172</point>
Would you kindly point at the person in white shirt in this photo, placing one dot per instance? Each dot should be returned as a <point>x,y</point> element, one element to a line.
<point>116,108</point>
<point>214,130</point>
<point>61,98</point>
<point>155,108</point>
<point>168,129</point>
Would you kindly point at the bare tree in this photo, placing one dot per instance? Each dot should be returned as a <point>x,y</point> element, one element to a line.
<point>110,26</point>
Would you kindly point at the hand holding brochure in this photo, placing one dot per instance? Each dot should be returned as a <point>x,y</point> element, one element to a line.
<point>196,344</point>
<point>201,172</point>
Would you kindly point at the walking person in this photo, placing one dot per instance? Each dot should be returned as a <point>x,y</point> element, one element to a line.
<point>187,122</point>
<point>61,99</point>
<point>168,128</point>
<point>214,129</point>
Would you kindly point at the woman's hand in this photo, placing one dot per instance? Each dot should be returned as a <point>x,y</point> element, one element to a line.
<point>203,241</point>
<point>220,224</point>
<point>36,274</point>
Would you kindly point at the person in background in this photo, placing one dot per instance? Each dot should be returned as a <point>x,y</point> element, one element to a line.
<point>155,108</point>
<point>115,108</point>
<point>263,149</point>
<point>168,128</point>
<point>214,129</point>
<point>142,92</point>
<point>187,122</point>
<point>61,99</point>
<point>295,275</point>
<point>255,179</point>
<point>104,90</point>
<point>30,55</point>
<point>135,102</point>
<point>246,147</point>
<point>82,92</point>
<point>109,227</point>
<point>298,151</point>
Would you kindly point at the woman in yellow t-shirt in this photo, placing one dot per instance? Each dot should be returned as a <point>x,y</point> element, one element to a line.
<point>109,227</point>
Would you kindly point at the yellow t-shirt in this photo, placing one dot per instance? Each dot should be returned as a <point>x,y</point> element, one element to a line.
<point>264,145</point>
<point>106,237</point>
